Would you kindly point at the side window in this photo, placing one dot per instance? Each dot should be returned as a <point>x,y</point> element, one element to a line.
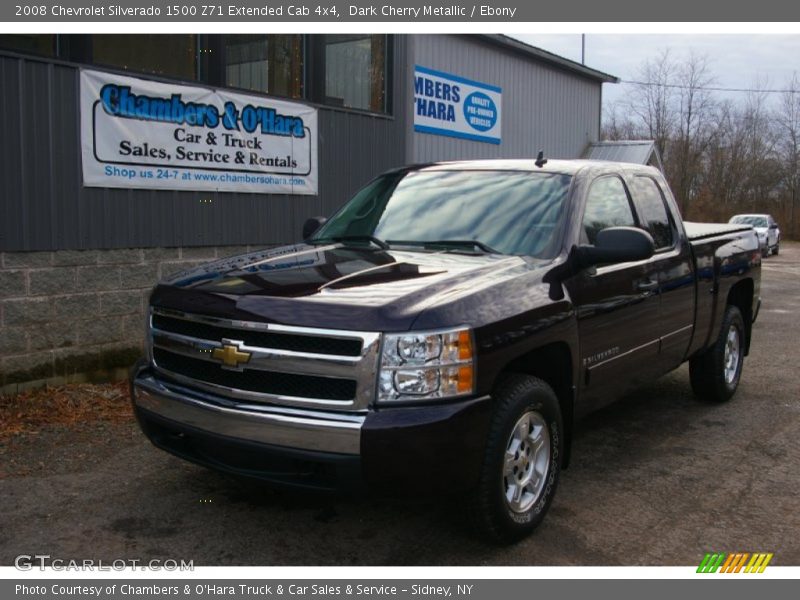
<point>607,205</point>
<point>653,211</point>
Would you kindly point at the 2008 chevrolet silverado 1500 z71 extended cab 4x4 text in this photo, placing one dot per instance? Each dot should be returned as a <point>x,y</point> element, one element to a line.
<point>443,331</point>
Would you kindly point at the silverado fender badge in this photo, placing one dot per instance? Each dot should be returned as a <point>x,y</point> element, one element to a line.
<point>231,355</point>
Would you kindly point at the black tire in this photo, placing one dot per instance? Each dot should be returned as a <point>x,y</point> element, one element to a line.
<point>517,396</point>
<point>707,371</point>
<point>777,249</point>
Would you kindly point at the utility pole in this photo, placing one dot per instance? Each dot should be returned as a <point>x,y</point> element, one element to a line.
<point>583,48</point>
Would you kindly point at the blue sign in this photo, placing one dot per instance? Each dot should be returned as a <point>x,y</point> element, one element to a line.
<point>446,104</point>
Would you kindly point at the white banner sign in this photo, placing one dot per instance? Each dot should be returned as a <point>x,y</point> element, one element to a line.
<point>446,104</point>
<point>137,133</point>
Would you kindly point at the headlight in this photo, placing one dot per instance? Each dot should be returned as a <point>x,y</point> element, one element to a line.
<point>426,365</point>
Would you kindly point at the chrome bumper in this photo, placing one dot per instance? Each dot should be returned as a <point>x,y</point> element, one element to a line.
<point>321,431</point>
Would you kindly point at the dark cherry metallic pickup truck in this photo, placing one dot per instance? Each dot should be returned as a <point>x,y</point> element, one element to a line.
<point>444,329</point>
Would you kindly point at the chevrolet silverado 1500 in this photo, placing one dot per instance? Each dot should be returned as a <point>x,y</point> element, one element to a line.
<point>444,329</point>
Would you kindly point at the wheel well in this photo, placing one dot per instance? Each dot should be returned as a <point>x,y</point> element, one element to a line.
<point>741,296</point>
<point>553,365</point>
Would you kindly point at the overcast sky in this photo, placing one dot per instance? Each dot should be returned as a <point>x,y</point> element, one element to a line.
<point>737,61</point>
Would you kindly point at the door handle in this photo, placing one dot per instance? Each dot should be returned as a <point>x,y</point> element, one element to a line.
<point>647,285</point>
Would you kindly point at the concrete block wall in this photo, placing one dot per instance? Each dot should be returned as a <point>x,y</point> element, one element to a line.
<point>78,315</point>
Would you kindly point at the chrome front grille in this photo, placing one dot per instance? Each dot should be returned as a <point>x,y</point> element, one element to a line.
<point>248,361</point>
<point>311,344</point>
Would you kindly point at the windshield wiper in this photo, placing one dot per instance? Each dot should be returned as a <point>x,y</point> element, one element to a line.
<point>355,238</point>
<point>454,244</point>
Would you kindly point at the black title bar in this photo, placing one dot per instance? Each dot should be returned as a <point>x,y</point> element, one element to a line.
<point>325,11</point>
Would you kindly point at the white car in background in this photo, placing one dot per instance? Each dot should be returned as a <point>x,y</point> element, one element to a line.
<point>769,236</point>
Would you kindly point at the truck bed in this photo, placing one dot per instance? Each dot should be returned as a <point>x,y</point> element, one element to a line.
<point>700,231</point>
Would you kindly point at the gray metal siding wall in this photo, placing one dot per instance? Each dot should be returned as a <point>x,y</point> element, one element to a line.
<point>43,205</point>
<point>544,108</point>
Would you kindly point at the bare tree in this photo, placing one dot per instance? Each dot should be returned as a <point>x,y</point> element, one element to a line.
<point>724,159</point>
<point>788,120</point>
<point>651,99</point>
<point>619,127</point>
<point>720,157</point>
<point>762,170</point>
<point>695,107</point>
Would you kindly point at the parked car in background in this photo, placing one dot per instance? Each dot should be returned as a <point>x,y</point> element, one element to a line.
<point>769,235</point>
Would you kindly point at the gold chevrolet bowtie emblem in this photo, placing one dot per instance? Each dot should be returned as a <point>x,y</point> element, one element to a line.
<point>230,355</point>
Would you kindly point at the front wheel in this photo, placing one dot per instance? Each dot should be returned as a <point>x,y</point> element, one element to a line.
<point>716,372</point>
<point>522,463</point>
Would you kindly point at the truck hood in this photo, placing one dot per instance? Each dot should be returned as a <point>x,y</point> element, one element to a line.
<point>336,286</point>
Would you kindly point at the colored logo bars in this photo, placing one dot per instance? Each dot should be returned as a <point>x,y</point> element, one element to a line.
<point>735,562</point>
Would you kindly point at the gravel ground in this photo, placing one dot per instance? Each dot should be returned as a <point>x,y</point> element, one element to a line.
<point>656,479</point>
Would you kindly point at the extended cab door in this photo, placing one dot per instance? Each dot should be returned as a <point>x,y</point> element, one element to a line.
<point>617,305</point>
<point>674,268</point>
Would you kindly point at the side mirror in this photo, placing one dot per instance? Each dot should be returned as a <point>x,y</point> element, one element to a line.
<point>773,226</point>
<point>311,225</point>
<point>617,245</point>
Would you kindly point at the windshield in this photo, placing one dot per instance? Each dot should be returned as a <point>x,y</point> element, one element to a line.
<point>510,212</point>
<point>753,220</point>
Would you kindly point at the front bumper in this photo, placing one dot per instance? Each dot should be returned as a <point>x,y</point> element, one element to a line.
<point>414,449</point>
<point>327,432</point>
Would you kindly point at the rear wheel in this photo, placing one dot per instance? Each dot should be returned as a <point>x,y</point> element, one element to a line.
<point>522,463</point>
<point>715,374</point>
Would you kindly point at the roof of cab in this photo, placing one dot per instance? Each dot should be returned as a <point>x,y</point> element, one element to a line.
<point>566,167</point>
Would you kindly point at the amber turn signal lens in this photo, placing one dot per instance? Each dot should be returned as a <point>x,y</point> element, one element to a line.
<point>464,345</point>
<point>464,380</point>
